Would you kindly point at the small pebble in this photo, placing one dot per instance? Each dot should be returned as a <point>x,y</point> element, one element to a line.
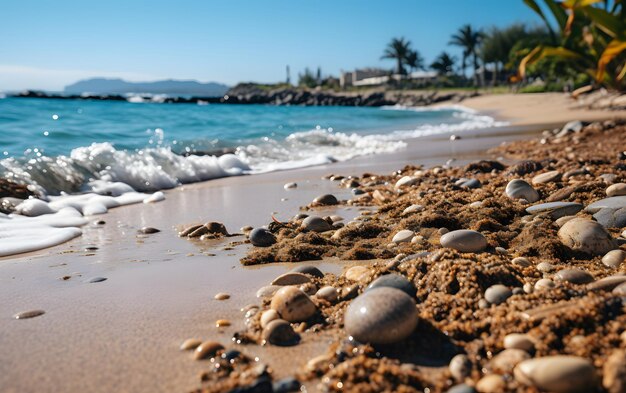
<point>413,209</point>
<point>519,189</point>
<point>544,283</point>
<point>293,305</point>
<point>96,279</point>
<point>497,294</point>
<point>325,200</point>
<point>267,291</point>
<point>291,278</point>
<point>614,258</point>
<point>574,276</point>
<point>460,367</point>
<point>190,344</point>
<point>279,332</point>
<point>464,240</point>
<point>492,383</point>
<point>396,281</point>
<point>148,230</point>
<point>545,267</point>
<point>505,361</point>
<point>357,273</point>
<point>29,314</point>
<point>381,316</point>
<point>261,237</point>
<point>222,296</point>
<point>308,269</point>
<point>327,293</point>
<point>618,189</point>
<point>222,323</point>
<point>558,374</point>
<point>268,316</point>
<point>404,235</point>
<point>519,341</point>
<point>290,186</point>
<point>586,236</point>
<point>521,261</point>
<point>315,224</point>
<point>207,349</point>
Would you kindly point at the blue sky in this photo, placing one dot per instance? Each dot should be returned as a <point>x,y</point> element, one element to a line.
<point>48,44</point>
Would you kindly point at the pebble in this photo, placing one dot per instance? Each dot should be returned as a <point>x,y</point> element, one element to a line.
<point>406,181</point>
<point>620,290</point>
<point>222,296</point>
<point>207,349</point>
<point>557,374</point>
<point>492,383</point>
<point>381,316</point>
<point>519,189</point>
<point>616,202</point>
<point>614,372</point>
<point>290,186</point>
<point>464,240</point>
<point>315,224</point>
<point>148,230</point>
<point>547,177</point>
<point>327,293</point>
<point>611,218</point>
<point>279,332</point>
<point>308,269</point>
<point>396,281</point>
<point>608,178</point>
<point>325,200</point>
<point>267,291</point>
<point>586,236</point>
<point>96,279</point>
<point>544,283</point>
<point>268,316</point>
<point>614,258</point>
<point>291,278</point>
<point>29,314</point>
<point>413,209</point>
<point>222,323</point>
<point>505,361</point>
<point>190,344</point>
<point>521,261</point>
<point>497,294</point>
<point>462,388</point>
<point>561,221</point>
<point>618,189</point>
<point>188,231</point>
<point>261,237</point>
<point>460,367</point>
<point>519,341</point>
<point>545,267</point>
<point>293,305</point>
<point>357,273</point>
<point>476,205</point>
<point>607,283</point>
<point>574,276</point>
<point>403,236</point>
<point>556,210</point>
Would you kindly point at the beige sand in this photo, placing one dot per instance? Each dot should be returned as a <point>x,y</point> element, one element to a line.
<point>123,334</point>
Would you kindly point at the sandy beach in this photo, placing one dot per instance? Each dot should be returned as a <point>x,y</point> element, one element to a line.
<point>123,334</point>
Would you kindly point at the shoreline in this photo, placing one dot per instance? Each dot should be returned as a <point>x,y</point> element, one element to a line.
<point>124,333</point>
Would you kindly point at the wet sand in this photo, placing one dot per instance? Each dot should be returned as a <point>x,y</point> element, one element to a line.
<point>123,334</point>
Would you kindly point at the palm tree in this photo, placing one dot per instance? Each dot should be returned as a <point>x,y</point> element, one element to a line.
<point>469,40</point>
<point>398,49</point>
<point>443,64</point>
<point>414,60</point>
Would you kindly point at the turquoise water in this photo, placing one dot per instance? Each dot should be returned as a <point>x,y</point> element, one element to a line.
<point>61,145</point>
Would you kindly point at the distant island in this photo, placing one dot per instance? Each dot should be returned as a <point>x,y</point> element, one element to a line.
<point>169,87</point>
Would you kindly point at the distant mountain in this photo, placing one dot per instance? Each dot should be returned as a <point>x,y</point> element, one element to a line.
<point>169,87</point>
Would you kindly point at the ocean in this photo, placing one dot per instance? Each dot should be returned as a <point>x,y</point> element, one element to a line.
<point>71,146</point>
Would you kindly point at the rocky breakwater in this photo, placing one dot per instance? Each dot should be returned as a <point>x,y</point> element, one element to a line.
<point>511,285</point>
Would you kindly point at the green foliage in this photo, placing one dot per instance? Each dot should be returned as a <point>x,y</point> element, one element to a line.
<point>591,39</point>
<point>399,49</point>
<point>307,79</point>
<point>469,40</point>
<point>444,64</point>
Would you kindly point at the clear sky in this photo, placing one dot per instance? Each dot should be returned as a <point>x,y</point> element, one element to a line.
<point>48,44</point>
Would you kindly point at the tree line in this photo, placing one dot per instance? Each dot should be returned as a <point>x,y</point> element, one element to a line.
<point>586,46</point>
